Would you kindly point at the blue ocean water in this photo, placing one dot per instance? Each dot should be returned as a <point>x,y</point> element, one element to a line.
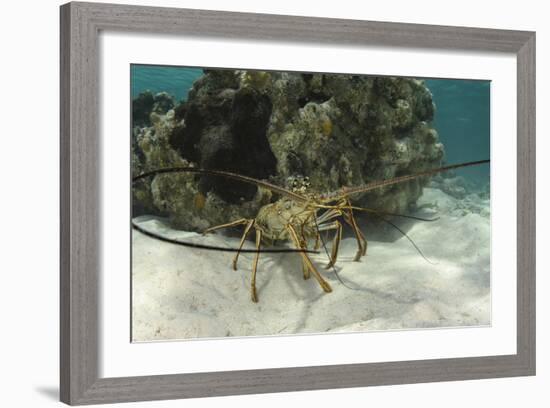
<point>462,116</point>
<point>463,121</point>
<point>156,78</point>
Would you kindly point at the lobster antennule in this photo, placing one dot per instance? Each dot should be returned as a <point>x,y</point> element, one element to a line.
<point>346,191</point>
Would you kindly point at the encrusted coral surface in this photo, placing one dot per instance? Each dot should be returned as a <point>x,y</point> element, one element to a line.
<point>338,130</point>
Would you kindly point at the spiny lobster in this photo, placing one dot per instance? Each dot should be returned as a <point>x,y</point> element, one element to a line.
<point>295,217</point>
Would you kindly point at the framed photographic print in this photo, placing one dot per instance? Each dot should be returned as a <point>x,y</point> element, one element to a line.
<point>260,203</point>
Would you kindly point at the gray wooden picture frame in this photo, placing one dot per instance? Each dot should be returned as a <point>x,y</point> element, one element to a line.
<point>80,189</point>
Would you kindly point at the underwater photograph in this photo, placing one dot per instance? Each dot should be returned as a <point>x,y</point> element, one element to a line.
<point>282,203</point>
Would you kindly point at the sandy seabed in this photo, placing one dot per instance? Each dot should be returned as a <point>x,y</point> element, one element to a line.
<point>181,292</point>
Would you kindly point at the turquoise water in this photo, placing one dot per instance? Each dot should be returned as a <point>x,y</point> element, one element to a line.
<point>462,116</point>
<point>462,120</point>
<point>175,80</point>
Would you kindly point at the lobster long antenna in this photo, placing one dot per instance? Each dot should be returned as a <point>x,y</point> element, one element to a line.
<point>345,191</point>
<point>227,174</point>
<point>405,235</point>
<point>212,247</point>
<point>391,214</point>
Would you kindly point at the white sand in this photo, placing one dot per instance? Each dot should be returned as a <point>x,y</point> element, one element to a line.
<point>181,292</point>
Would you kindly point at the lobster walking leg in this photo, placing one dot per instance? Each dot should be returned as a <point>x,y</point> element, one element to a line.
<point>228,225</point>
<point>243,238</point>
<point>305,268</point>
<point>255,267</point>
<point>335,242</point>
<point>343,209</point>
<point>361,241</point>
<point>294,236</point>
<point>350,220</point>
<point>356,228</point>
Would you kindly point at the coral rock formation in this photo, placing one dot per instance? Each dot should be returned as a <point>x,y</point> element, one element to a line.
<point>338,130</point>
